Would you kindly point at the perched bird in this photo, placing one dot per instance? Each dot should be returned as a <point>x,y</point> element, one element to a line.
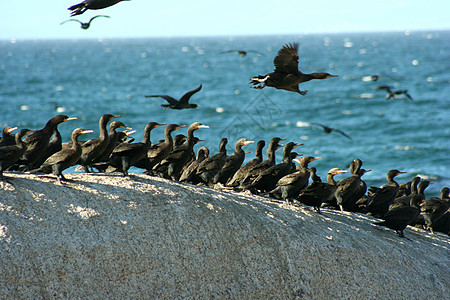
<point>392,94</point>
<point>241,53</point>
<point>240,174</point>
<point>318,192</point>
<point>232,162</point>
<point>10,154</point>
<point>328,130</point>
<point>38,141</point>
<point>349,191</point>
<point>202,154</point>
<point>381,198</point>
<point>84,25</point>
<point>287,76</point>
<point>64,158</point>
<point>178,104</point>
<point>7,138</point>
<point>208,168</point>
<point>80,8</point>
<point>405,200</point>
<point>442,224</point>
<point>113,137</point>
<point>433,209</point>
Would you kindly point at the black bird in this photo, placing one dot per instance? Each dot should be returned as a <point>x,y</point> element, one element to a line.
<point>241,173</point>
<point>392,94</point>
<point>328,130</point>
<point>434,208</point>
<point>202,154</point>
<point>7,138</point>
<point>178,104</point>
<point>241,53</point>
<point>64,158</point>
<point>289,186</point>
<point>84,25</point>
<point>10,154</point>
<point>208,168</point>
<point>318,192</point>
<point>38,141</point>
<point>254,172</point>
<point>232,162</point>
<point>113,140</point>
<point>381,198</point>
<point>443,223</point>
<point>405,200</point>
<point>267,180</point>
<point>286,75</point>
<point>94,148</point>
<point>398,218</point>
<point>314,176</point>
<point>80,8</point>
<point>349,189</point>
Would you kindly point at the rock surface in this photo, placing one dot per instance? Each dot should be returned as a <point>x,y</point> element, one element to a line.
<point>105,236</point>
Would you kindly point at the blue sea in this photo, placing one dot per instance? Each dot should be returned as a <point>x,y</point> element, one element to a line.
<point>90,77</point>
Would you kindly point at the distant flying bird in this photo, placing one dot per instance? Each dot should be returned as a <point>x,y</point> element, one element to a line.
<point>391,94</point>
<point>286,76</point>
<point>328,130</point>
<point>84,25</point>
<point>178,104</point>
<point>370,78</point>
<point>241,53</point>
<point>80,8</point>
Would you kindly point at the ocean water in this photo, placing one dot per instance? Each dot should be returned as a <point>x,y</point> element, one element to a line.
<point>88,78</point>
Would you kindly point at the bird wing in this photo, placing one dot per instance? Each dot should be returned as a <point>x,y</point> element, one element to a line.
<point>387,88</point>
<point>229,51</point>
<point>286,60</point>
<point>71,20</point>
<point>170,100</point>
<point>343,133</point>
<point>185,98</point>
<point>318,124</point>
<point>97,17</point>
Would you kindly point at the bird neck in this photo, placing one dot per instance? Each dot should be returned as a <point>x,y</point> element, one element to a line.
<point>330,179</point>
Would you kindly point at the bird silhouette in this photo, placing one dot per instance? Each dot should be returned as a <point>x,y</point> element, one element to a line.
<point>392,94</point>
<point>328,130</point>
<point>84,25</point>
<point>241,53</point>
<point>81,7</point>
<point>286,76</point>
<point>178,104</point>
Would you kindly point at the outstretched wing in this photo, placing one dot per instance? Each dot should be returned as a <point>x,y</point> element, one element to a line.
<point>286,60</point>
<point>169,99</point>
<point>71,20</point>
<point>185,98</point>
<point>97,17</point>
<point>343,133</point>
<point>318,124</point>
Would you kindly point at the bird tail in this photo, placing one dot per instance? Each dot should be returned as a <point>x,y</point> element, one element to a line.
<point>258,79</point>
<point>77,9</point>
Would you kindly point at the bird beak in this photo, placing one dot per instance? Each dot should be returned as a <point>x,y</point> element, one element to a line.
<point>371,171</point>
<point>128,133</point>
<point>202,126</point>
<point>162,124</point>
<point>87,131</point>
<point>12,129</point>
<point>297,160</point>
<point>332,76</point>
<point>248,142</point>
<point>316,158</point>
<point>402,172</point>
<point>129,128</point>
<point>296,145</point>
<point>342,171</point>
<point>72,118</point>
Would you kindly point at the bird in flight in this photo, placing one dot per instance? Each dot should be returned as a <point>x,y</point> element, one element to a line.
<point>392,94</point>
<point>84,25</point>
<point>178,104</point>
<point>81,7</point>
<point>328,130</point>
<point>241,53</point>
<point>286,76</point>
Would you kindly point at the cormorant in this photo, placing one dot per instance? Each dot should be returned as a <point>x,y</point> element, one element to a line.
<point>381,198</point>
<point>209,167</point>
<point>8,138</point>
<point>241,53</point>
<point>318,192</point>
<point>63,159</point>
<point>113,140</point>
<point>405,200</point>
<point>232,162</point>
<point>84,25</point>
<point>434,208</point>
<point>289,186</point>
<point>349,189</point>
<point>392,94</point>
<point>80,8</point>
<point>94,148</point>
<point>38,141</point>
<point>202,154</point>
<point>178,104</point>
<point>267,180</point>
<point>328,130</point>
<point>241,173</point>
<point>443,223</point>
<point>10,154</point>
<point>286,75</point>
<point>314,176</point>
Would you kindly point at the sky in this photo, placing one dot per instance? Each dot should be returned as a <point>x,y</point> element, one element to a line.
<point>40,19</point>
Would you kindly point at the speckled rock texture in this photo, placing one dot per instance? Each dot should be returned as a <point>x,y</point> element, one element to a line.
<point>110,237</point>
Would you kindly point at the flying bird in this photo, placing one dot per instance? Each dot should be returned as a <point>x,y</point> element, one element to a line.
<point>392,94</point>
<point>286,76</point>
<point>81,7</point>
<point>241,53</point>
<point>328,130</point>
<point>84,25</point>
<point>178,104</point>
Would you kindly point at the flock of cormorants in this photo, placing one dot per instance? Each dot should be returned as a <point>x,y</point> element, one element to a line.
<point>42,151</point>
